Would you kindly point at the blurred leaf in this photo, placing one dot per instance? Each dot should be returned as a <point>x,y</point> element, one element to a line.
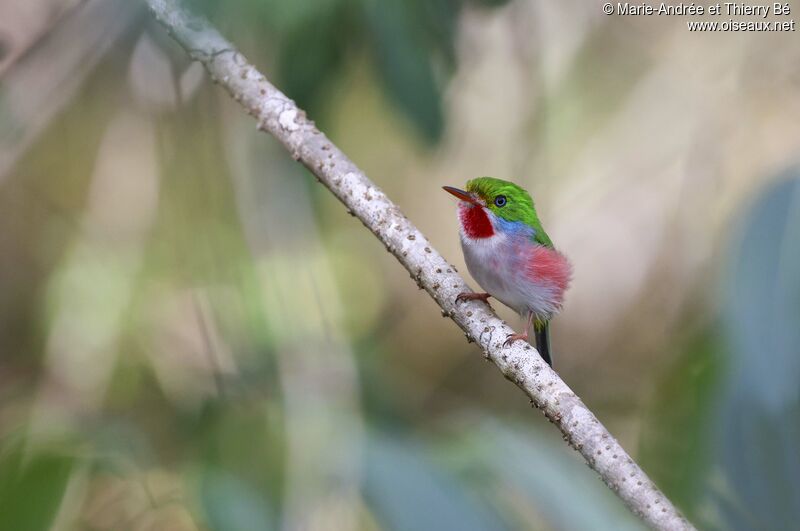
<point>223,436</point>
<point>408,492</point>
<point>196,197</point>
<point>548,476</point>
<point>312,55</point>
<point>760,433</point>
<point>435,23</point>
<point>675,446</point>
<point>40,84</point>
<point>229,504</point>
<point>412,43</point>
<point>763,297</point>
<point>489,3</point>
<point>284,17</point>
<point>404,65</point>
<point>32,485</point>
<point>41,204</point>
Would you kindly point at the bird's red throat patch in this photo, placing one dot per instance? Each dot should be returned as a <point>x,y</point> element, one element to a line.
<point>475,222</point>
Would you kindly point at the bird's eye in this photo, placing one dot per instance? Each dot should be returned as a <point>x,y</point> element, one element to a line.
<point>500,200</point>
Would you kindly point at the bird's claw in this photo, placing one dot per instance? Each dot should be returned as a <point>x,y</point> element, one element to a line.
<point>470,296</point>
<point>513,337</point>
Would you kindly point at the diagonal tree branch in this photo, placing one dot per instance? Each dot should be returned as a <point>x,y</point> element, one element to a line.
<point>519,363</point>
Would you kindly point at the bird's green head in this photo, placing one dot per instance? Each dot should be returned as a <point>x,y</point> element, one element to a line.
<point>504,199</point>
<point>510,206</point>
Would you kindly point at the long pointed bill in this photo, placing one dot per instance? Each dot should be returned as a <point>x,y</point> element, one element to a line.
<point>461,194</point>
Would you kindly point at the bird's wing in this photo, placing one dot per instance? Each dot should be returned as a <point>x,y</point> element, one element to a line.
<point>540,236</point>
<point>546,266</point>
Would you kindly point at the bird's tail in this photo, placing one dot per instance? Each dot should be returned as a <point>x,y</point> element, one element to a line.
<point>541,332</point>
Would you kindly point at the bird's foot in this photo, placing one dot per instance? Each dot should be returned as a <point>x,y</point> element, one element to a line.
<point>513,337</point>
<point>470,296</point>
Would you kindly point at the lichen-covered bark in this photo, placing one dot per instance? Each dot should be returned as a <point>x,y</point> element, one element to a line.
<point>520,363</point>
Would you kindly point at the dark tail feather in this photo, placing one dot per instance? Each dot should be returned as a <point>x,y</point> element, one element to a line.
<point>542,335</point>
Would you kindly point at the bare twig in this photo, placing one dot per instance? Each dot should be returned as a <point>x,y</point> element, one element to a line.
<point>519,363</point>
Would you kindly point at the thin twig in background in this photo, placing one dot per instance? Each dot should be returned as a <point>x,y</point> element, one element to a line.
<point>519,363</point>
<point>39,85</point>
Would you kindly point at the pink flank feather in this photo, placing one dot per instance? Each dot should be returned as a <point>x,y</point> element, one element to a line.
<point>550,267</point>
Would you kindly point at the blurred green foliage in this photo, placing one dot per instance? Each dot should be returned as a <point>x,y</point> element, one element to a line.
<point>759,432</point>
<point>734,397</point>
<point>409,491</point>
<point>410,45</point>
<point>262,352</point>
<point>228,504</point>
<point>684,403</point>
<point>32,484</point>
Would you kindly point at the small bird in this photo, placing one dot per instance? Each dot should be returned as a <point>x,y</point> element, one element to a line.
<point>511,256</point>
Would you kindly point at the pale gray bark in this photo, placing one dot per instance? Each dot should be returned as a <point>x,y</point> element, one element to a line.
<point>519,363</point>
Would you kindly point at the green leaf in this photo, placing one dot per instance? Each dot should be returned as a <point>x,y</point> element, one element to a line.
<point>676,441</point>
<point>404,65</point>
<point>32,485</point>
<point>760,431</point>
<point>762,297</point>
<point>312,55</point>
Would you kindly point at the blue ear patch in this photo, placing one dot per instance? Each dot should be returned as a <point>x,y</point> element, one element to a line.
<point>514,228</point>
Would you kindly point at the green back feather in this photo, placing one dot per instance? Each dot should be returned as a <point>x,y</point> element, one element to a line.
<point>519,204</point>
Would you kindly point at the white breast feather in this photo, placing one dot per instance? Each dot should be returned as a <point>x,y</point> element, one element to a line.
<point>499,269</point>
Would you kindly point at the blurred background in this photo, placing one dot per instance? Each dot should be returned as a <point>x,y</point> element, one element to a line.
<point>195,335</point>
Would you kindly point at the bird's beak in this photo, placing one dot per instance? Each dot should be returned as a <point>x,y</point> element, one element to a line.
<point>461,194</point>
